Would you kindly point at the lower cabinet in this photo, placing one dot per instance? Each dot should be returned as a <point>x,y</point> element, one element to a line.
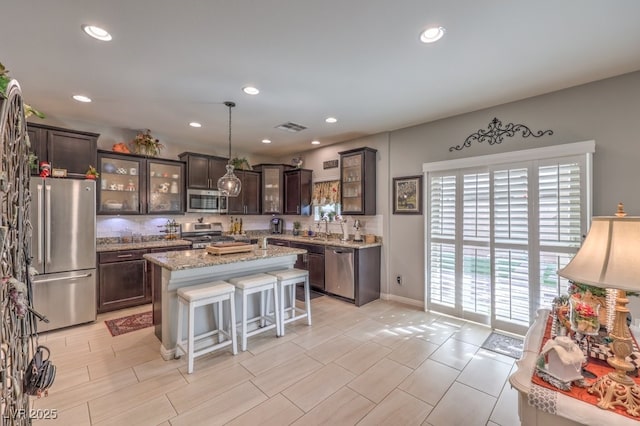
<point>124,278</point>
<point>312,261</point>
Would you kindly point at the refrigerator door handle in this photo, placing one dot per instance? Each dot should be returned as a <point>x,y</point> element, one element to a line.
<point>48,280</point>
<point>39,219</point>
<point>48,225</point>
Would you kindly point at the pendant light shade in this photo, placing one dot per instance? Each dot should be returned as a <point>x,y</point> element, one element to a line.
<point>229,184</point>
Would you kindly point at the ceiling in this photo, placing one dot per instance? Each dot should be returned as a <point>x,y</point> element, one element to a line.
<point>361,61</point>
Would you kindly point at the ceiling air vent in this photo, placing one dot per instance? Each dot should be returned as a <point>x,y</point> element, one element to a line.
<point>291,127</point>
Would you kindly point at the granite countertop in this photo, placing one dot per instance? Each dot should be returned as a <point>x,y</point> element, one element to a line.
<point>102,247</point>
<point>199,258</point>
<point>332,241</point>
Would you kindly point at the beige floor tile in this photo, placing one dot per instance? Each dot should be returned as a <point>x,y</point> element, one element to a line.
<point>82,358</point>
<point>412,352</point>
<point>378,381</point>
<point>272,358</point>
<point>76,416</point>
<point>316,336</point>
<point>345,407</point>
<point>223,408</point>
<point>149,413</point>
<point>430,381</point>
<point>132,396</point>
<point>454,353</point>
<point>472,333</point>
<point>212,363</point>
<point>275,411</point>
<point>315,388</point>
<point>506,410</point>
<point>363,357</point>
<point>77,395</point>
<point>483,353</point>
<point>462,405</point>
<point>434,332</point>
<point>486,375</point>
<point>158,367</point>
<point>398,408</point>
<point>265,341</point>
<point>281,377</point>
<point>68,378</point>
<point>333,349</point>
<point>125,359</point>
<point>208,386</point>
<point>365,330</point>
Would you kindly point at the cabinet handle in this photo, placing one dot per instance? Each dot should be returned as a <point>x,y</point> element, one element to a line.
<point>298,209</point>
<point>120,256</point>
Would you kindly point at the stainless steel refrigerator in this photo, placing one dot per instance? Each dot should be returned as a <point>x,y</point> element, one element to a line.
<point>63,250</point>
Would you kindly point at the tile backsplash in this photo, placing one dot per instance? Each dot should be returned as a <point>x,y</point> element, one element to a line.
<point>111,226</point>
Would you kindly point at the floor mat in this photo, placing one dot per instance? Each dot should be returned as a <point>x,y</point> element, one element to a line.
<point>300,293</point>
<point>503,344</point>
<point>129,323</point>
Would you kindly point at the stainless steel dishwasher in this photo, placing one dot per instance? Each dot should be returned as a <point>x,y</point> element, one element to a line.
<point>339,277</point>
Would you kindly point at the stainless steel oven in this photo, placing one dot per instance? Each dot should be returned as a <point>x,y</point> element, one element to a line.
<point>206,201</point>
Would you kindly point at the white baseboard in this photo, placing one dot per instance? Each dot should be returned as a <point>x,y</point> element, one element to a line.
<point>403,300</point>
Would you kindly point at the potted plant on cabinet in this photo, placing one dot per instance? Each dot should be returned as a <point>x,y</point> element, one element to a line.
<point>296,228</point>
<point>91,173</point>
<point>145,144</point>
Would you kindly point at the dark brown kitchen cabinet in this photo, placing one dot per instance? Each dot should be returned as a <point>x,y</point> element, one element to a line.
<point>133,185</point>
<point>122,280</point>
<point>297,192</point>
<point>203,171</point>
<point>358,181</point>
<point>248,201</point>
<point>272,187</point>
<point>66,149</point>
<point>312,261</point>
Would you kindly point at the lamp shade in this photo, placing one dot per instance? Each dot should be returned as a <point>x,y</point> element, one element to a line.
<point>609,256</point>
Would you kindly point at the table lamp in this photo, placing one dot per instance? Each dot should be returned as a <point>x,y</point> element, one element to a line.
<point>610,258</point>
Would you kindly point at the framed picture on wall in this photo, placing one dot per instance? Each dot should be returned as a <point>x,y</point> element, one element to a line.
<point>407,195</point>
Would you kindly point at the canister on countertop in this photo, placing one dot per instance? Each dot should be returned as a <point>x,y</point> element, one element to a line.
<point>263,242</point>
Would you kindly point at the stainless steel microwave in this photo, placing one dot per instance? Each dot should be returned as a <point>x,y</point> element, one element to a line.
<point>206,201</point>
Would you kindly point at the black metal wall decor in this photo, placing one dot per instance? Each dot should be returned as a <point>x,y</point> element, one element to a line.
<point>495,133</point>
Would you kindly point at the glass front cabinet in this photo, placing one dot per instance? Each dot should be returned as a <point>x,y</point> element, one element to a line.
<point>358,181</point>
<point>131,184</point>
<point>272,187</point>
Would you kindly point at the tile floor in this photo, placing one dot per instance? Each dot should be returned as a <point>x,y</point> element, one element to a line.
<point>382,363</point>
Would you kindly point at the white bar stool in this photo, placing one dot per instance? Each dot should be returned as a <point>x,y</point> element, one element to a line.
<point>252,284</point>
<point>287,280</point>
<point>192,297</point>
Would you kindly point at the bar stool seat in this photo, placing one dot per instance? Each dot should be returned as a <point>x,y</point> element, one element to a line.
<point>214,294</point>
<point>287,281</point>
<point>257,284</point>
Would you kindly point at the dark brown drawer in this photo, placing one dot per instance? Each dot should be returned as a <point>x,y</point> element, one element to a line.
<point>311,248</point>
<point>120,256</point>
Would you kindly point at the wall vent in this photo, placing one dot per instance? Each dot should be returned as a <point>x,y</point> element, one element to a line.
<point>291,127</point>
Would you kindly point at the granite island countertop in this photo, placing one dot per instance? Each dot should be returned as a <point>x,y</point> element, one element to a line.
<point>199,258</point>
<point>102,247</point>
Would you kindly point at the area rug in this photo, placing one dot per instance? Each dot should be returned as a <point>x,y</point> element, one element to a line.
<point>503,344</point>
<point>129,323</point>
<point>312,294</point>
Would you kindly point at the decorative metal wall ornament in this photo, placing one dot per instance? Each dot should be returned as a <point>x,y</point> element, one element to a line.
<point>495,133</point>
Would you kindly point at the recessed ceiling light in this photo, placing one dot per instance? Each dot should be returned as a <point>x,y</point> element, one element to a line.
<point>315,142</point>
<point>82,98</point>
<point>331,120</point>
<point>250,90</point>
<point>194,124</point>
<point>97,32</point>
<point>266,141</point>
<point>431,35</point>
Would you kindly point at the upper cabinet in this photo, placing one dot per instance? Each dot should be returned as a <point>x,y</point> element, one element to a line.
<point>203,171</point>
<point>297,189</point>
<point>248,201</point>
<point>132,184</point>
<point>64,149</point>
<point>358,181</point>
<point>272,187</point>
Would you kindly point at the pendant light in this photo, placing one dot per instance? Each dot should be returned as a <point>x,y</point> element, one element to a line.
<point>229,184</point>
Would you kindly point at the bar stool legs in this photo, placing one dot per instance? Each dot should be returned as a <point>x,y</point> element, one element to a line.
<point>287,281</point>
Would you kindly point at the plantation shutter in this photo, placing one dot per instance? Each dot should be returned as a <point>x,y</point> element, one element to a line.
<point>443,231</point>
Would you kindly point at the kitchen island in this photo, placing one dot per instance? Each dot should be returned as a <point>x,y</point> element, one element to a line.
<point>177,269</point>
